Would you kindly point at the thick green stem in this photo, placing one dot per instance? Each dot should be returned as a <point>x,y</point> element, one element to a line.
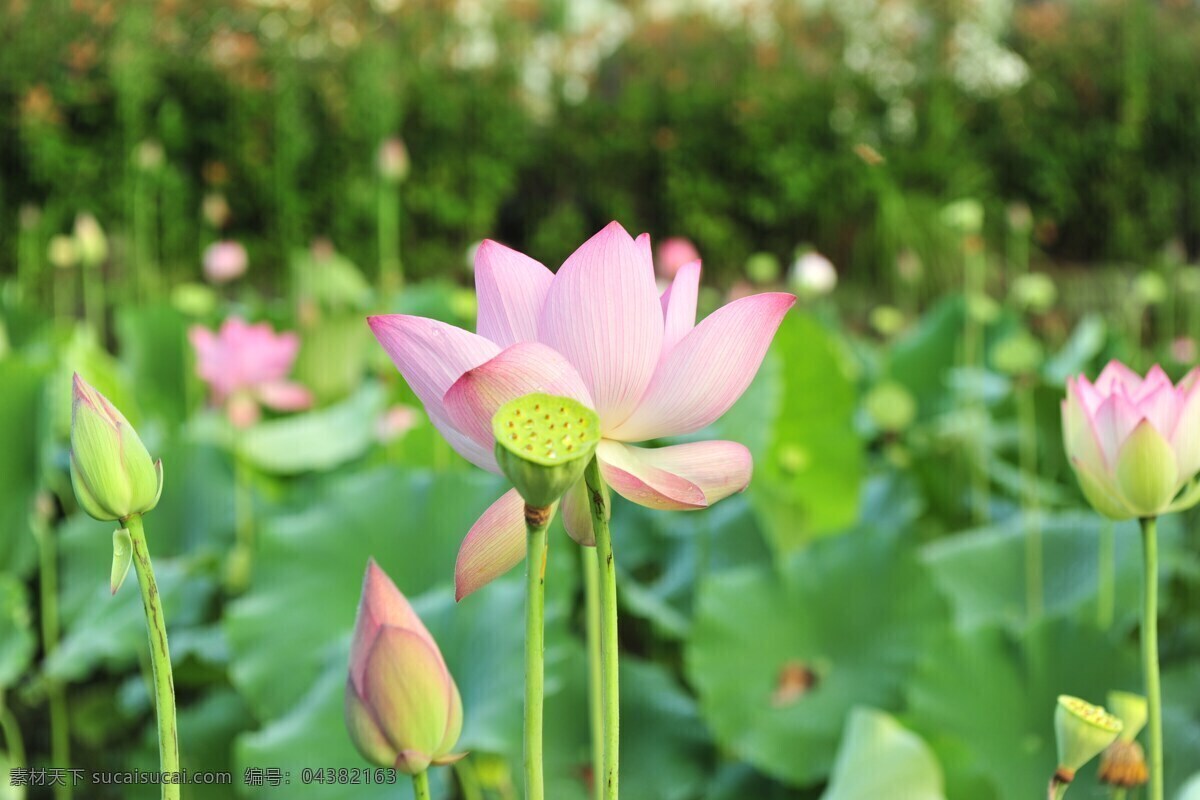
<point>60,730</point>
<point>536,522</point>
<point>591,585</point>
<point>421,785</point>
<point>598,500</point>
<point>1150,655</point>
<point>160,659</point>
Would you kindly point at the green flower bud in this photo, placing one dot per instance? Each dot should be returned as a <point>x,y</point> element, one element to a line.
<point>1017,354</point>
<point>964,216</point>
<point>1034,292</point>
<point>543,445</point>
<point>1083,731</point>
<point>891,406</point>
<point>90,241</point>
<point>111,469</point>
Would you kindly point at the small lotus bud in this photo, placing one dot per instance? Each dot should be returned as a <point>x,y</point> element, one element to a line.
<point>1131,709</point>
<point>403,708</point>
<point>63,252</point>
<point>224,261</point>
<point>1017,354</point>
<point>673,253</point>
<point>891,407</point>
<point>122,558</point>
<point>964,216</point>
<point>543,445</point>
<point>1020,218</point>
<point>887,320</point>
<point>215,209</point>
<point>111,470</point>
<point>393,160</point>
<point>1034,292</point>
<point>909,267</point>
<point>1083,731</point>
<point>812,275</point>
<point>1150,288</point>
<point>149,155</point>
<point>90,241</point>
<point>762,268</point>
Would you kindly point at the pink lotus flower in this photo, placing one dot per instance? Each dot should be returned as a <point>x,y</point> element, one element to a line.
<point>403,708</point>
<point>596,331</point>
<point>224,261</point>
<point>674,254</point>
<point>246,365</point>
<point>1134,443</point>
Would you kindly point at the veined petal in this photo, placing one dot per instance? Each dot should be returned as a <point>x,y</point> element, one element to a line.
<point>718,468</point>
<point>364,730</point>
<point>635,476</point>
<point>1185,439</point>
<point>494,545</point>
<point>679,306</point>
<point>602,312</point>
<point>577,514</point>
<point>1079,434</point>
<point>380,604</point>
<point>511,288</point>
<point>1101,492</point>
<point>708,370</point>
<point>1117,374</point>
<point>431,355</point>
<point>1160,405</point>
<point>1114,420</point>
<point>406,685</point>
<point>519,370</point>
<point>1155,379</point>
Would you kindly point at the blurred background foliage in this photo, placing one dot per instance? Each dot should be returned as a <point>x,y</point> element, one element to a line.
<point>1008,192</point>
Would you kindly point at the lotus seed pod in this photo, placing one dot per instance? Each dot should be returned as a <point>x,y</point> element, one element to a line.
<point>543,445</point>
<point>1083,731</point>
<point>1124,765</point>
<point>111,469</point>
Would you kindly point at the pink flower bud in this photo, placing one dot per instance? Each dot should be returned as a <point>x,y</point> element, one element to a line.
<point>403,708</point>
<point>673,253</point>
<point>224,261</point>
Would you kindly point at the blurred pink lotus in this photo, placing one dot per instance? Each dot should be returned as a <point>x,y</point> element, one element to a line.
<point>673,254</point>
<point>1134,443</point>
<point>225,261</point>
<point>245,366</point>
<point>395,422</point>
<point>599,332</point>
<point>402,707</point>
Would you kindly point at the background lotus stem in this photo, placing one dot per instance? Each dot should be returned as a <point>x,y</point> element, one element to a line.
<point>536,523</point>
<point>13,742</point>
<point>421,785</point>
<point>60,722</point>
<point>391,270</point>
<point>160,657</point>
<point>598,500</point>
<point>468,780</point>
<point>591,586</point>
<point>1106,590</point>
<point>1150,655</point>
<point>1027,455</point>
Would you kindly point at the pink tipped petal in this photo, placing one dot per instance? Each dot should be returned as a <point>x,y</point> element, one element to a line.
<point>1113,421</point>
<point>708,370</point>
<point>638,478</point>
<point>1117,374</point>
<point>284,396</point>
<point>1160,406</point>
<point>577,514</point>
<point>380,604</point>
<point>718,468</point>
<point>518,370</point>
<point>679,306</point>
<point>431,355</point>
<point>645,253</point>
<point>602,312</point>
<point>511,287</point>
<point>494,545</point>
<point>1185,439</point>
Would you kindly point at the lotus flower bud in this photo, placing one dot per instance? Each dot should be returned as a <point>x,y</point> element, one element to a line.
<point>762,268</point>
<point>393,160</point>
<point>1082,731</point>
<point>543,445</point>
<point>812,275</point>
<point>403,708</point>
<point>964,216</point>
<point>90,241</point>
<point>224,261</point>
<point>673,253</point>
<point>1134,443</point>
<point>1035,292</point>
<point>63,252</point>
<point>111,470</point>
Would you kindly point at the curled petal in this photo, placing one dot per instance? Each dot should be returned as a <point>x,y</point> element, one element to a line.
<point>717,468</point>
<point>1185,439</point>
<point>636,477</point>
<point>1079,433</point>
<point>494,545</point>
<point>708,370</point>
<point>679,306</point>
<point>431,355</point>
<point>602,312</point>
<point>511,287</point>
<point>577,515</point>
<point>1113,421</point>
<point>519,370</point>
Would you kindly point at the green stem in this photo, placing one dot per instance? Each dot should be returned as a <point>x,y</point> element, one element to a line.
<point>1150,655</point>
<point>1027,447</point>
<point>975,289</point>
<point>160,657</point>
<point>391,272</point>
<point>421,785</point>
<point>1106,591</point>
<point>60,730</point>
<point>536,522</point>
<point>12,736</point>
<point>601,511</point>
<point>591,585</point>
<point>468,780</point>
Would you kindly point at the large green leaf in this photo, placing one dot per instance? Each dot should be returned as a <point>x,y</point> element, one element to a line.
<point>20,410</point>
<point>880,758</point>
<point>153,343</point>
<point>17,640</point>
<point>987,706</point>
<point>797,418</point>
<point>854,614</point>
